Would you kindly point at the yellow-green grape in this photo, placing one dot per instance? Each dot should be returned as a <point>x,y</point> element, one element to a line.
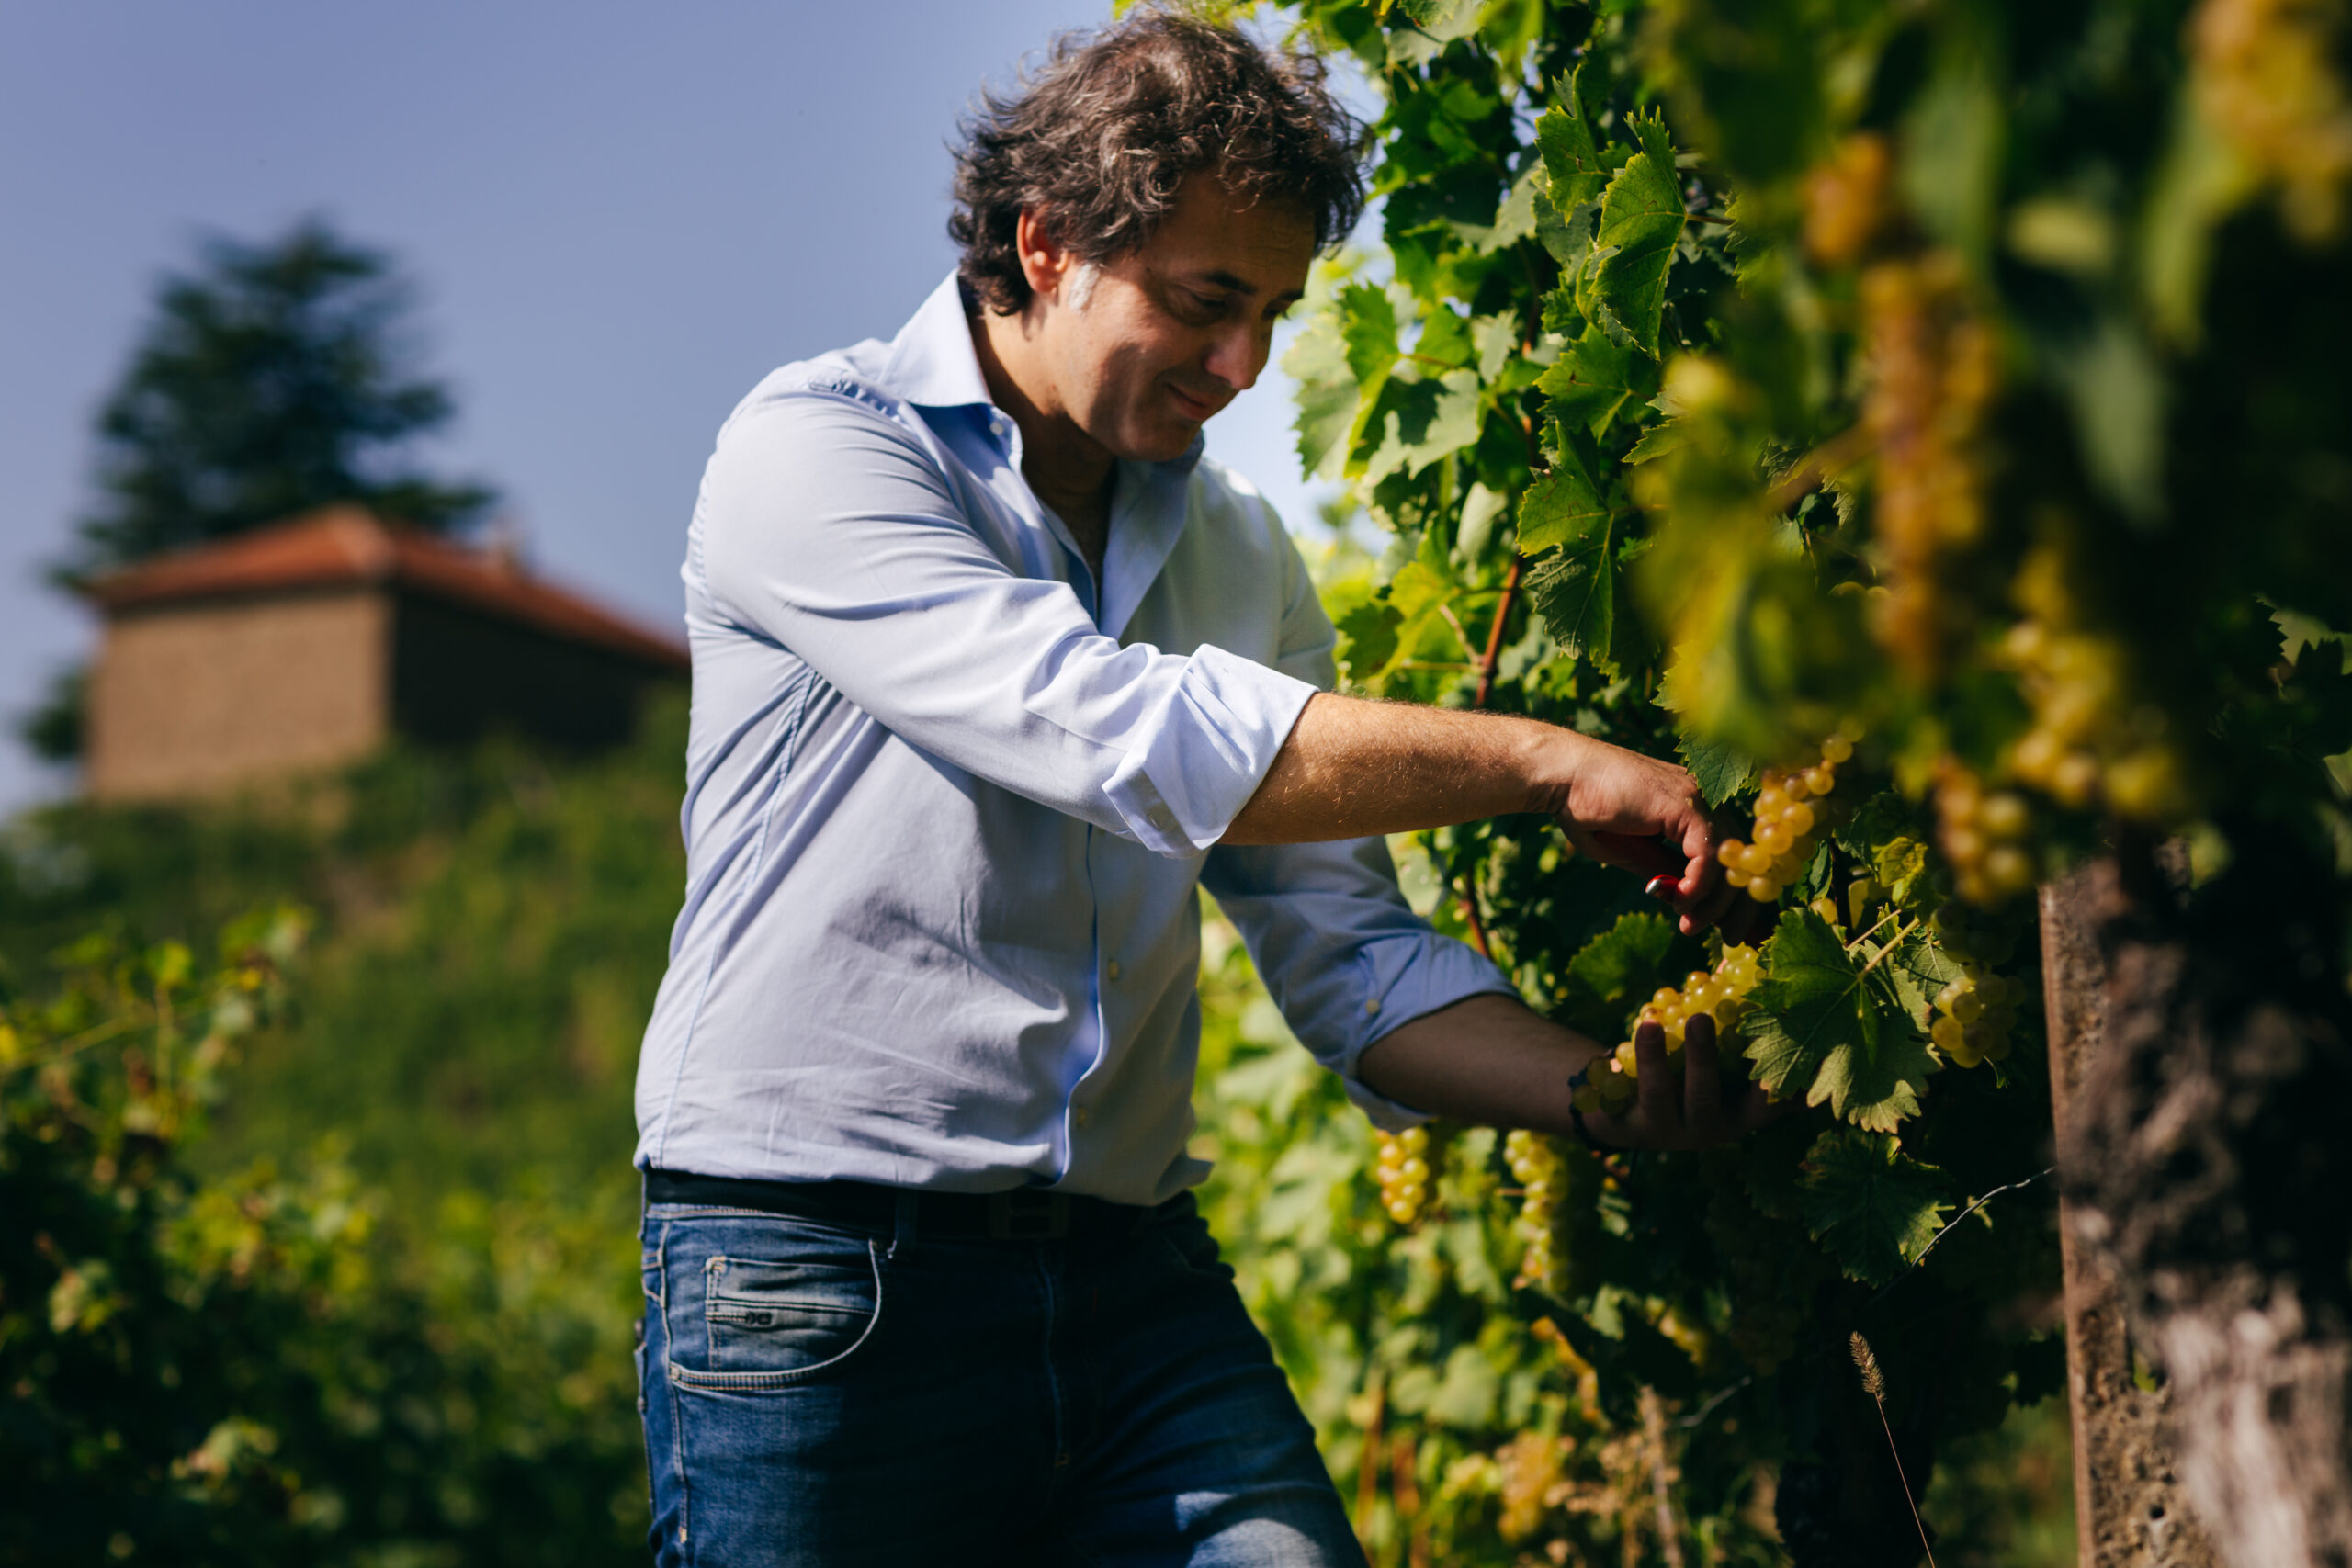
<point>1402,1164</point>
<point>1933,367</point>
<point>1980,834</point>
<point>1783,839</point>
<point>1535,1165</point>
<point>2084,744</point>
<point>1973,1014</point>
<point>1721,993</point>
<point>1861,894</point>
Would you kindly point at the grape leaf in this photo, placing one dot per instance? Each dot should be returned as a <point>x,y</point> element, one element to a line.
<point>1878,1088</point>
<point>1318,361</point>
<point>1883,815</point>
<point>1898,864</point>
<point>1613,971</point>
<point>1570,157</point>
<point>1811,1003</point>
<point>1666,435</point>
<point>1915,970</point>
<point>1561,508</point>
<point>1368,326</point>
<point>1595,378</point>
<point>1641,220</point>
<point>1575,591</point>
<point>1873,1207</point>
<point>1838,1034</point>
<point>1721,773</point>
<point>1370,638</point>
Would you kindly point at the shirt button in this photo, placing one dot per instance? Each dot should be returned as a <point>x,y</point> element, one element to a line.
<point>1112,969</point>
<point>1371,1007</point>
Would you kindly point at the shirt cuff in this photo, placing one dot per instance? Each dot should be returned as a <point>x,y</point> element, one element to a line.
<point>1205,751</point>
<point>1401,982</point>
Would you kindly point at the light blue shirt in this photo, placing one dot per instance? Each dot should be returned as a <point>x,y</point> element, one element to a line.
<point>949,802</point>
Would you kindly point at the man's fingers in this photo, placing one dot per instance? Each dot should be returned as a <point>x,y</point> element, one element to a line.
<point>1655,1098</point>
<point>1711,909</point>
<point>1701,1078</point>
<point>1647,857</point>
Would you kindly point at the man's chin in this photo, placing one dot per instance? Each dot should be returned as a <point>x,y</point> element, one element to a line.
<point>1162,443</point>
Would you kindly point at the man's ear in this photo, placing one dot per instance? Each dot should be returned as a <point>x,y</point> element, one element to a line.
<point>1045,262</point>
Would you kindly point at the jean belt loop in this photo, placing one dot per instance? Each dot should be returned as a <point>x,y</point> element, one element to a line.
<point>903,1220</point>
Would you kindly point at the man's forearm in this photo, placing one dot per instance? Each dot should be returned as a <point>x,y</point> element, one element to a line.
<point>1354,768</point>
<point>1486,1060</point>
<point>1489,1061</point>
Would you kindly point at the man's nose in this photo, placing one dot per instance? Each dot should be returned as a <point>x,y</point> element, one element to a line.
<point>1237,355</point>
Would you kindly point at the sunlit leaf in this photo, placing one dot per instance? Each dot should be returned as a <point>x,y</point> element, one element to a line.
<point>1641,219</point>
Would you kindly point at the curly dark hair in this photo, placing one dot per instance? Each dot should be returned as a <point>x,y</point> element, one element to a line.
<point>1099,140</point>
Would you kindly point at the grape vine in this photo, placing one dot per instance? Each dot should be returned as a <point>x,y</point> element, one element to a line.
<point>1801,390</point>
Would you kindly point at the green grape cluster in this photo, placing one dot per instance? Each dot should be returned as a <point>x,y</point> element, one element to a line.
<point>1535,1164</point>
<point>1932,379</point>
<point>1721,993</point>
<point>2090,740</point>
<point>1787,825</point>
<point>1402,1164</point>
<point>2265,79</point>
<point>1984,836</point>
<point>1772,1282</point>
<point>1975,1014</point>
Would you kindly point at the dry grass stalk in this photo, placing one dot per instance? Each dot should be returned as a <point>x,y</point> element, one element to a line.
<point>1874,1384</point>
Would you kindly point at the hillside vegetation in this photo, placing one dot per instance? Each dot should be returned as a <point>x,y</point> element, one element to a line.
<point>320,1105</point>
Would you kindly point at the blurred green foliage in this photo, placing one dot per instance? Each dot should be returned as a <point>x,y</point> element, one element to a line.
<point>367,1297</point>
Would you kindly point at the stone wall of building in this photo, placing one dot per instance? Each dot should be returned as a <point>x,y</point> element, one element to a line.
<point>192,699</point>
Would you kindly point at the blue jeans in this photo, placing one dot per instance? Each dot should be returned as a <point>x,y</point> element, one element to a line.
<point>820,1395</point>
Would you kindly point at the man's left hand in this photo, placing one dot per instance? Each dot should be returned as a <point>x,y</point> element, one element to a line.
<point>1688,1110</point>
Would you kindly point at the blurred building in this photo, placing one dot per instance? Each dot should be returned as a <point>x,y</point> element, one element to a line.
<point>309,644</point>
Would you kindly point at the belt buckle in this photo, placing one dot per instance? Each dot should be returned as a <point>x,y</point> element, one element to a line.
<point>1026,1214</point>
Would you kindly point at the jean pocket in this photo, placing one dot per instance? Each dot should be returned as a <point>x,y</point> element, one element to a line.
<point>768,1321</point>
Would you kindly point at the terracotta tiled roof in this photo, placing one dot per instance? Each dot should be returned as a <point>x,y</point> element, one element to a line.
<point>347,545</point>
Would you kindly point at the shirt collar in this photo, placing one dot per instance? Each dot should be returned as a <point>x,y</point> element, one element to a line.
<point>931,362</point>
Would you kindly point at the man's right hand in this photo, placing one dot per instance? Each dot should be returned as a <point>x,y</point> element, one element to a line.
<point>1648,817</point>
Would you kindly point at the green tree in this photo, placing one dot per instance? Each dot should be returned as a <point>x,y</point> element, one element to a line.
<point>274,378</point>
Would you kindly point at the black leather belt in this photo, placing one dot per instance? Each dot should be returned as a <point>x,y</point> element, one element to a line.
<point>1024,1213</point>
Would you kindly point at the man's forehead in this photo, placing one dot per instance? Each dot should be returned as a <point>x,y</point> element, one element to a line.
<point>1250,247</point>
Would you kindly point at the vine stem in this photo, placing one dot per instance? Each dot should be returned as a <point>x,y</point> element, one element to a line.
<point>1486,663</point>
<point>1494,634</point>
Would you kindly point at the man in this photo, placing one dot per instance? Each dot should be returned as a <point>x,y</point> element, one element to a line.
<point>992,670</point>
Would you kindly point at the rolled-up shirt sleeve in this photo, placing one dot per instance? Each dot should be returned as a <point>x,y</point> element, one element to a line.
<point>1343,955</point>
<point>828,527</point>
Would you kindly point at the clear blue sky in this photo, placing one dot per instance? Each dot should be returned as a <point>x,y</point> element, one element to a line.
<point>620,217</point>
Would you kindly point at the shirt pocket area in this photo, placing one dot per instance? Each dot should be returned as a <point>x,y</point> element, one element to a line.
<point>769,1323</point>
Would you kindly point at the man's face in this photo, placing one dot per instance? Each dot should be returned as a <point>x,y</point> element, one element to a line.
<point>1170,333</point>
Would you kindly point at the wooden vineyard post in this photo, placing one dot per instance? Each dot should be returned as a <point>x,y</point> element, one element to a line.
<point>2130,1509</point>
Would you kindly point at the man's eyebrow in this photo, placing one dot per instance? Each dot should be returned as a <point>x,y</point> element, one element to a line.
<point>1217,278</point>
